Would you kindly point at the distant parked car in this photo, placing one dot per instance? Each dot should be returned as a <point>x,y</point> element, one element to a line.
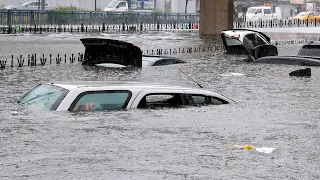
<point>30,5</point>
<point>310,16</point>
<point>263,13</point>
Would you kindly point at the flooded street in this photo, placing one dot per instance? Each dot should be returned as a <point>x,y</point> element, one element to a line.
<point>272,110</point>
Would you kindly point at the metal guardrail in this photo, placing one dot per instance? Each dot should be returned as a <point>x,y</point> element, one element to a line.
<point>56,17</point>
<point>287,23</point>
<point>32,60</point>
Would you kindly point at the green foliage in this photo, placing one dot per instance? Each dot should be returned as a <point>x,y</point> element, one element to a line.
<point>1,6</point>
<point>156,10</point>
<point>67,8</point>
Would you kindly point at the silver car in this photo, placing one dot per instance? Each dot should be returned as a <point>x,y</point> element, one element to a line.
<point>30,5</point>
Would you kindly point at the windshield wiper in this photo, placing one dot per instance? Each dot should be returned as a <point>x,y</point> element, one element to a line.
<point>38,96</point>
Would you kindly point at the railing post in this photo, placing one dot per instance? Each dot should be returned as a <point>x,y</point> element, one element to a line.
<point>72,13</point>
<point>31,17</point>
<point>178,19</point>
<point>1,17</point>
<point>9,23</point>
<point>123,20</point>
<point>90,22</point>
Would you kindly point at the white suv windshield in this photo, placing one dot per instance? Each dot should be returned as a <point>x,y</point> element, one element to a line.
<point>112,4</point>
<point>251,11</point>
<point>44,96</point>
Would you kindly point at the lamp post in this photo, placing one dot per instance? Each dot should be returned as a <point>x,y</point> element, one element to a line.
<point>43,4</point>
<point>129,4</point>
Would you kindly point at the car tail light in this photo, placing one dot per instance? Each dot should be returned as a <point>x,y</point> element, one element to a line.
<point>236,36</point>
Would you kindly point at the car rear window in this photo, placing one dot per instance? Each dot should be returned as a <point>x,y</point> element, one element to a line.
<point>201,100</point>
<point>252,40</point>
<point>44,96</point>
<point>232,42</point>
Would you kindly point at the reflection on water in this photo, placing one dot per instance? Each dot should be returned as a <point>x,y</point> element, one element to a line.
<point>272,110</point>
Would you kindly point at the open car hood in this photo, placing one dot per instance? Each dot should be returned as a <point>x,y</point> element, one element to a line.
<point>118,54</point>
<point>111,51</point>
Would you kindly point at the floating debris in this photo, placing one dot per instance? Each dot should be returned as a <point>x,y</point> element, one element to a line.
<point>301,72</point>
<point>266,150</point>
<point>232,74</point>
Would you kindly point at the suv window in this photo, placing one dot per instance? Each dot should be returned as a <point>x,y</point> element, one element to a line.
<point>201,100</point>
<point>267,11</point>
<point>101,100</point>
<point>156,101</point>
<point>34,4</point>
<point>44,96</point>
<point>259,11</point>
<point>122,4</point>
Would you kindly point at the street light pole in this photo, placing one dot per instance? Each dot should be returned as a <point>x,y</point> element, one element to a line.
<point>43,4</point>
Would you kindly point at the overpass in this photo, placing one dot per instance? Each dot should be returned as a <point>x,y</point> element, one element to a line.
<point>215,16</point>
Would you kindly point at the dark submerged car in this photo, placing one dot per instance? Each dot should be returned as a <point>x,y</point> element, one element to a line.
<point>115,53</point>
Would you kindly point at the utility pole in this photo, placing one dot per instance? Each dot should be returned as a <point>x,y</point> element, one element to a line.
<point>43,4</point>
<point>129,4</point>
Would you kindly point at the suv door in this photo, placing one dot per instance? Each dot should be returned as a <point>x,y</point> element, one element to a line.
<point>155,99</point>
<point>268,14</point>
<point>259,14</point>
<point>101,100</point>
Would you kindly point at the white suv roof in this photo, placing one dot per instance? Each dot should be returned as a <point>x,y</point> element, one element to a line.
<point>108,84</point>
<point>112,95</point>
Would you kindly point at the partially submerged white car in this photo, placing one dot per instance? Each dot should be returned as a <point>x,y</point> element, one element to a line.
<point>115,95</point>
<point>259,49</point>
<point>244,41</point>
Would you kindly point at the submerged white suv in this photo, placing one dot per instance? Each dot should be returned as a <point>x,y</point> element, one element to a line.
<point>115,95</point>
